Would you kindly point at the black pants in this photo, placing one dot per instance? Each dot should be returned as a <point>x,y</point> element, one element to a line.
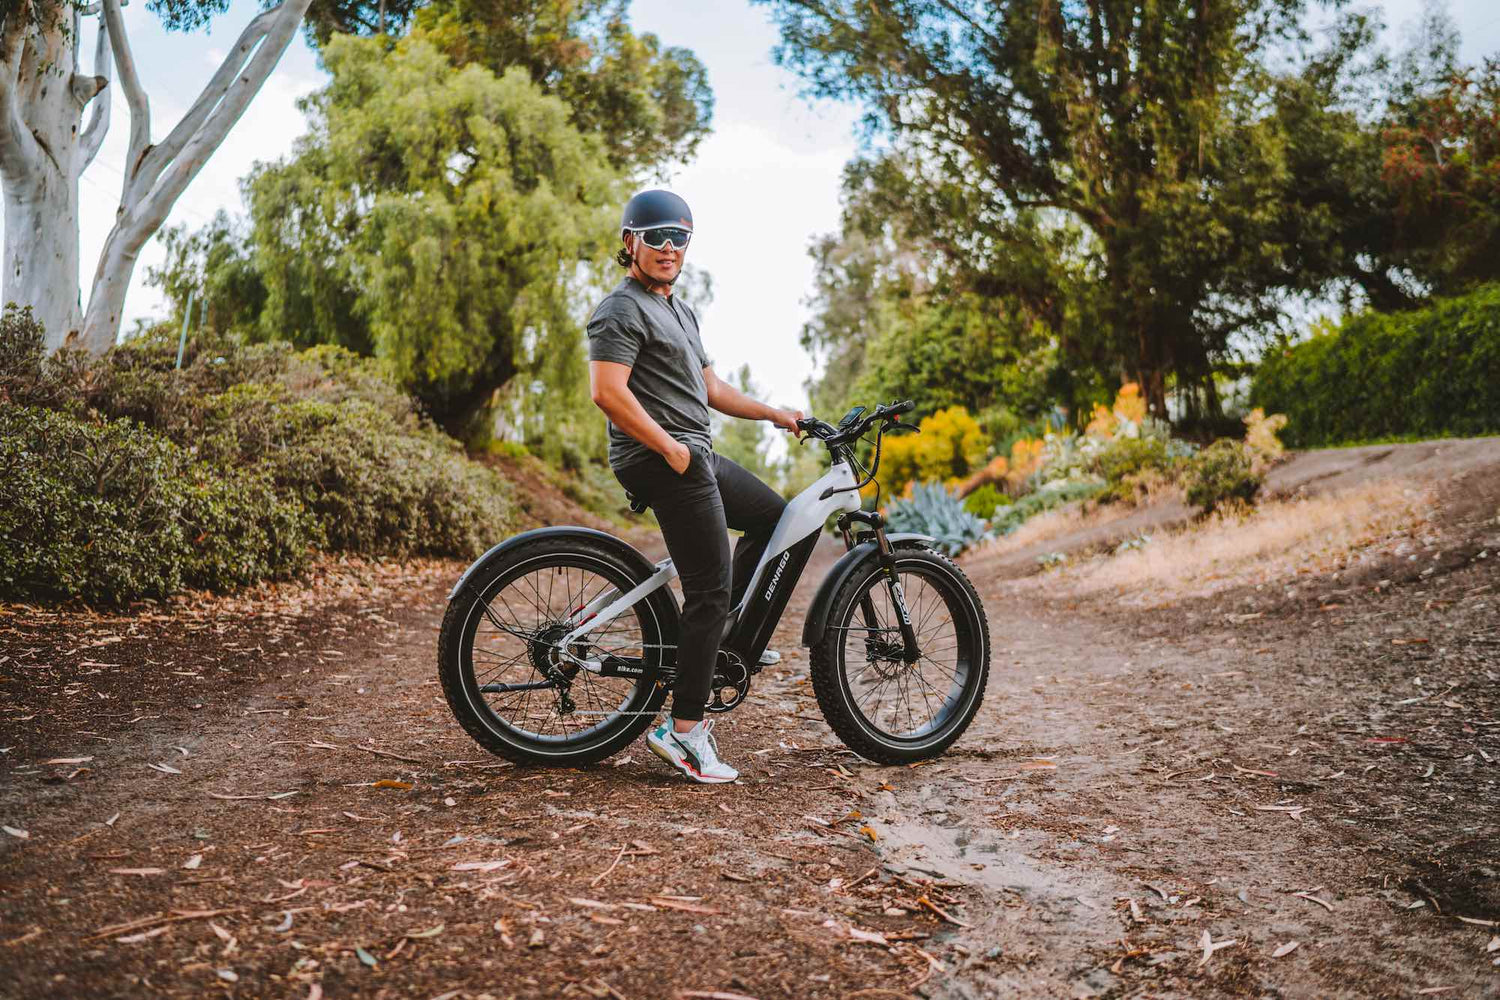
<point>695,510</point>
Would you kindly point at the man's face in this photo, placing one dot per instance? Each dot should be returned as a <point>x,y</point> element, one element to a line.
<point>658,265</point>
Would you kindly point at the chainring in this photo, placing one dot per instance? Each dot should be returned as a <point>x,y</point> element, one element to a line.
<point>732,677</point>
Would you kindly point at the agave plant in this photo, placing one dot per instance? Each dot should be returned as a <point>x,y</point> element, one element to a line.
<point>933,510</point>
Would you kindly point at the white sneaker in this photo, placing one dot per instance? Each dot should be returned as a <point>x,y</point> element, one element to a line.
<point>769,657</point>
<point>695,753</point>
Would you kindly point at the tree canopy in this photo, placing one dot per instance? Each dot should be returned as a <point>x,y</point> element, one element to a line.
<point>456,191</point>
<point>1143,187</point>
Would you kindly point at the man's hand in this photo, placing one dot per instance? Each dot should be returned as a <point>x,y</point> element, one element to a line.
<point>678,457</point>
<point>787,420</point>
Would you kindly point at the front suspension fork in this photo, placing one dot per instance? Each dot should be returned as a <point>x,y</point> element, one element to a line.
<point>887,556</point>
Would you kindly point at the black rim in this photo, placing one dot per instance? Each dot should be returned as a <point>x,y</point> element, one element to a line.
<point>901,702</point>
<point>516,679</point>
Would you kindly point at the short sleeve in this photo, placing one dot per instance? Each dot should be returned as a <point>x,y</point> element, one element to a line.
<point>615,334</point>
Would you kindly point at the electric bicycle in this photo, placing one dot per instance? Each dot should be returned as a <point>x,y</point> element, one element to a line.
<point>559,645</point>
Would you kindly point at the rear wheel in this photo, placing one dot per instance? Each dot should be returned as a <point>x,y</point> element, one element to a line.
<point>881,706</point>
<point>524,697</point>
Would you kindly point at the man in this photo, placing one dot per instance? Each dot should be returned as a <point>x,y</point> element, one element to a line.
<point>649,374</point>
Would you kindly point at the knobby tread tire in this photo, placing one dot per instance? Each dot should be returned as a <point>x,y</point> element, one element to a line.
<point>830,685</point>
<point>451,665</point>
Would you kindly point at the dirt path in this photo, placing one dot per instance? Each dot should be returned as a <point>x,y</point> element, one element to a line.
<point>1132,782</point>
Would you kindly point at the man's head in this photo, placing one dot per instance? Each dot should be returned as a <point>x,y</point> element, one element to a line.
<point>655,229</point>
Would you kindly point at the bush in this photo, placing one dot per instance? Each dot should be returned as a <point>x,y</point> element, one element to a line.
<point>1427,373</point>
<point>949,447</point>
<point>1124,463</point>
<point>28,376</point>
<point>222,472</point>
<point>1223,474</point>
<point>983,501</point>
<point>1048,497</point>
<point>111,512</point>
<point>375,486</point>
<point>932,510</point>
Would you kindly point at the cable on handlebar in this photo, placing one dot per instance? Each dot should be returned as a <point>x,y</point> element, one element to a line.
<point>837,438</point>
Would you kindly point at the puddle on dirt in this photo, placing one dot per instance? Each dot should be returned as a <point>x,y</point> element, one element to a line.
<point>1036,922</point>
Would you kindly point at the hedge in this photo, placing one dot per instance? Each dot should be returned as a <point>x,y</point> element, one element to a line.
<point>126,477</point>
<point>1432,372</point>
<point>111,511</point>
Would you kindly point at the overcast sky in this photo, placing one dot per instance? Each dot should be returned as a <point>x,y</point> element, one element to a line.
<point>762,187</point>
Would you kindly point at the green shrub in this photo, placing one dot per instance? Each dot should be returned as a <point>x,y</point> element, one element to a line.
<point>1053,495</point>
<point>1125,460</point>
<point>111,512</point>
<point>983,501</point>
<point>28,375</point>
<point>375,484</point>
<point>1426,373</point>
<point>1221,475</point>
<point>220,473</point>
<point>323,427</point>
<point>932,510</point>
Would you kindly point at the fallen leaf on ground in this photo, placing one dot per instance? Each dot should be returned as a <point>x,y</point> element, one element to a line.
<point>137,871</point>
<point>164,768</point>
<point>1209,946</point>
<point>365,956</point>
<point>1285,949</point>
<point>14,832</point>
<point>388,783</point>
<point>480,866</point>
<point>68,760</point>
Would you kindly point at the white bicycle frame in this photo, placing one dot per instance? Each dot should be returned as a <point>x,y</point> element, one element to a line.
<point>805,514</point>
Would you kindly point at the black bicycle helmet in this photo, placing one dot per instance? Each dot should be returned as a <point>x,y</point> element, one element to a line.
<point>655,208</point>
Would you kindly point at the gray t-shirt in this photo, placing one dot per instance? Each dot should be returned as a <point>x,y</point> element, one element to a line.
<point>658,337</point>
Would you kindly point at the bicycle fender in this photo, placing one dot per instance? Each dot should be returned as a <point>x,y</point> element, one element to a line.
<point>629,553</point>
<point>822,603</point>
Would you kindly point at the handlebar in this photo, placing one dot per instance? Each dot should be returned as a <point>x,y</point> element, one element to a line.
<point>833,436</point>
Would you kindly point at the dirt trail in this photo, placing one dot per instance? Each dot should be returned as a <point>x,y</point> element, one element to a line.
<point>1132,782</point>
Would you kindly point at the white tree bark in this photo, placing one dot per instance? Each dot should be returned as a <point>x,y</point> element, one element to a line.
<point>44,149</point>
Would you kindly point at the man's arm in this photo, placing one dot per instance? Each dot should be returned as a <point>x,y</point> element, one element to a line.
<point>728,400</point>
<point>610,389</point>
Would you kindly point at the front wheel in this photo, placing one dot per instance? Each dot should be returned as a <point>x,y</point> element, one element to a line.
<point>882,706</point>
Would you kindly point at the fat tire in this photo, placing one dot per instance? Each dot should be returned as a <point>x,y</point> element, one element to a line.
<point>455,633</point>
<point>831,682</point>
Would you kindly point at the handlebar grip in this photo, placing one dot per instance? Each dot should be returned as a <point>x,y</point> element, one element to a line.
<point>905,406</point>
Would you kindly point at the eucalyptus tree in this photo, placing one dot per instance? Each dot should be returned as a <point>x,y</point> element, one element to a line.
<point>45,146</point>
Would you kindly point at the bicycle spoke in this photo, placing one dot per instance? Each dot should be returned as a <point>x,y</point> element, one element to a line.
<point>905,699</point>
